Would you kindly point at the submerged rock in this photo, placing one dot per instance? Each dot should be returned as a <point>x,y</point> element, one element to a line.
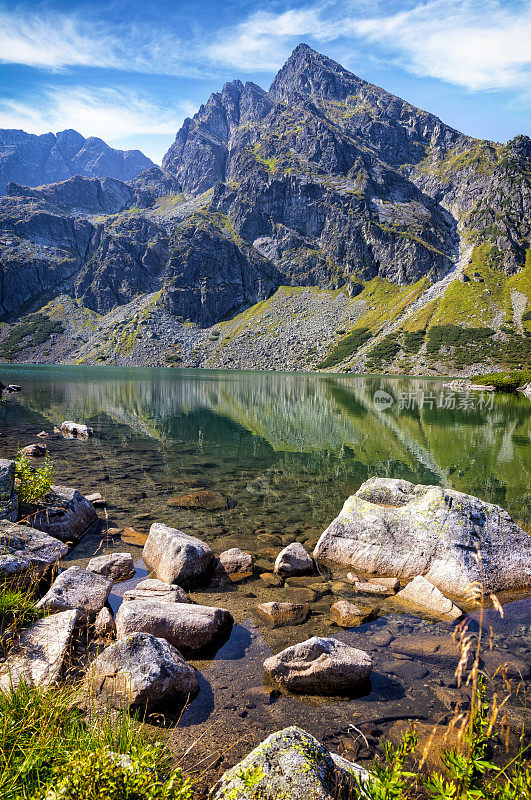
<point>35,450</point>
<point>141,672</point>
<point>200,500</point>
<point>76,430</point>
<point>80,589</point>
<point>293,560</point>
<point>280,614</point>
<point>190,628</point>
<point>39,653</point>
<point>233,565</point>
<point>420,592</point>
<point>153,589</point>
<point>397,528</point>
<point>26,553</point>
<point>118,566</point>
<point>320,666</point>
<point>290,764</point>
<point>176,557</point>
<point>347,615</point>
<point>65,514</point>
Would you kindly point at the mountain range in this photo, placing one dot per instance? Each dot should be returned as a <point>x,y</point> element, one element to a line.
<point>323,224</point>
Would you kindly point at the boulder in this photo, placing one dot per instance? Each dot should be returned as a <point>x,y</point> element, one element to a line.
<point>200,500</point>
<point>280,614</point>
<point>26,553</point>
<point>76,430</point>
<point>271,580</point>
<point>389,583</point>
<point>425,596</point>
<point>65,514</point>
<point>320,666</point>
<point>347,615</point>
<point>393,527</point>
<point>39,653</point>
<point>293,560</point>
<point>80,589</point>
<point>8,497</point>
<point>190,628</point>
<point>233,565</point>
<point>104,623</point>
<point>153,589</point>
<point>35,450</point>
<point>141,672</point>
<point>96,499</point>
<point>176,557</point>
<point>290,764</point>
<point>118,566</point>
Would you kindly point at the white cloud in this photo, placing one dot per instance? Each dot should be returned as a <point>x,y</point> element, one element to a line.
<point>108,113</point>
<point>479,44</point>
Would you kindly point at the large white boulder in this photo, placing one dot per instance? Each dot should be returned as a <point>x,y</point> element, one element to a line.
<point>290,764</point>
<point>64,514</point>
<point>38,655</point>
<point>320,666</point>
<point>153,589</point>
<point>190,628</point>
<point>176,557</point>
<point>118,566</point>
<point>77,588</point>
<point>393,527</point>
<point>141,672</point>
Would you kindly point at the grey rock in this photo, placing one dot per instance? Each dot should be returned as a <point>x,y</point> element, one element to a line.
<point>118,566</point>
<point>290,763</point>
<point>392,526</point>
<point>141,672</point>
<point>64,514</point>
<point>280,614</point>
<point>79,589</point>
<point>153,589</point>
<point>39,653</point>
<point>233,565</point>
<point>293,560</point>
<point>320,666</point>
<point>27,553</point>
<point>420,592</point>
<point>76,429</point>
<point>176,557</point>
<point>190,628</point>
<point>8,497</point>
<point>104,623</point>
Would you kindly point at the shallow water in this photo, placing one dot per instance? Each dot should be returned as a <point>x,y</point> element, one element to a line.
<point>287,450</point>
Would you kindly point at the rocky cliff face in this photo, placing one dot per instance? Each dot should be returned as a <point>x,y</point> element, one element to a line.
<point>325,182</point>
<point>35,160</point>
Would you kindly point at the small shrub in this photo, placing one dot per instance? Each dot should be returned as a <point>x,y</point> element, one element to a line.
<point>346,347</point>
<point>385,350</point>
<point>37,326</point>
<point>413,340</point>
<point>504,381</point>
<point>455,336</point>
<point>34,483</point>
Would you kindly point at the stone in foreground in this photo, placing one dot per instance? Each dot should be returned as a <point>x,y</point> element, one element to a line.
<point>77,588</point>
<point>118,566</point>
<point>293,560</point>
<point>153,589</point>
<point>347,615</point>
<point>39,654</point>
<point>175,557</point>
<point>320,666</point>
<point>104,623</point>
<point>141,672</point>
<point>65,514</point>
<point>290,764</point>
<point>280,614</point>
<point>393,527</point>
<point>420,592</point>
<point>190,628</point>
<point>26,553</point>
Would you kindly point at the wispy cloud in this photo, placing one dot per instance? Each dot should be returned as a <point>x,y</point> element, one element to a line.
<point>115,114</point>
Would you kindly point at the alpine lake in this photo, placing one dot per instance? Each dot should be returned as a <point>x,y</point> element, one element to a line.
<point>286,449</point>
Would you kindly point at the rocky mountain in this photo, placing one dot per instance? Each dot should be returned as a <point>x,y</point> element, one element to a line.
<point>35,160</point>
<point>323,224</point>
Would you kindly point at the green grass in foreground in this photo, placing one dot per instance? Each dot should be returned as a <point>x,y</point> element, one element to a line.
<point>50,749</point>
<point>504,381</point>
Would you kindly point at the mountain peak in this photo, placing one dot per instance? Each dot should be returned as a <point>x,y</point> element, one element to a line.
<point>308,72</point>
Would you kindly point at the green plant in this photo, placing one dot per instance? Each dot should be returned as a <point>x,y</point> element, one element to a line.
<point>413,340</point>
<point>51,748</point>
<point>504,381</point>
<point>346,347</point>
<point>33,483</point>
<point>16,607</point>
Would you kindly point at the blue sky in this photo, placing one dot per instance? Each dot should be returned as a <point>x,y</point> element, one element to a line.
<point>130,72</point>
